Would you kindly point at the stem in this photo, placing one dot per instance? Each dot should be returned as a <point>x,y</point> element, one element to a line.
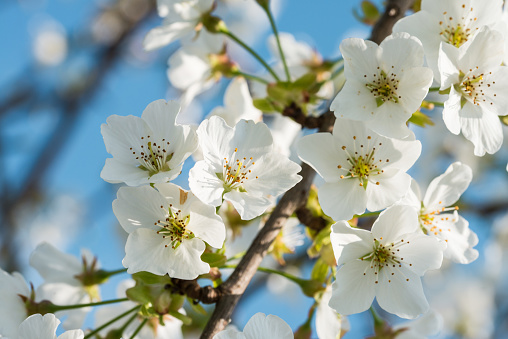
<point>139,328</point>
<point>100,328</point>
<point>252,77</point>
<point>251,51</point>
<point>236,256</point>
<point>377,319</point>
<point>111,273</point>
<point>276,33</point>
<point>70,307</point>
<point>436,103</point>
<point>434,89</point>
<point>269,270</point>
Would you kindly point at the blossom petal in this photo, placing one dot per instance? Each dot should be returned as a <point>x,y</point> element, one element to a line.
<point>248,206</point>
<point>422,252</point>
<point>360,57</point>
<point>447,188</point>
<point>205,184</point>
<point>38,326</point>
<point>322,154</point>
<point>394,222</point>
<point>207,225</point>
<point>164,35</point>
<point>271,326</point>
<point>355,102</point>
<point>401,293</point>
<point>137,207</point>
<point>146,251</point>
<point>402,51</point>
<point>343,235</point>
<point>393,186</point>
<point>482,128</point>
<point>451,110</point>
<point>54,265</point>
<point>354,288</point>
<point>342,200</point>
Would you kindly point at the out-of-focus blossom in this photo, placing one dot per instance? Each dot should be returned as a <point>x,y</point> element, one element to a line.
<point>259,326</point>
<point>44,327</point>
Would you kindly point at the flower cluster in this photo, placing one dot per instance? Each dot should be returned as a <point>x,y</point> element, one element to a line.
<point>243,156</point>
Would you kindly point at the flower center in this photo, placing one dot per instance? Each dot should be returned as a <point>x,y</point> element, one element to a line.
<point>174,227</point>
<point>456,33</point>
<point>236,172</point>
<point>384,87</point>
<point>361,162</point>
<point>472,87</point>
<point>153,157</point>
<point>385,255</point>
<point>435,223</point>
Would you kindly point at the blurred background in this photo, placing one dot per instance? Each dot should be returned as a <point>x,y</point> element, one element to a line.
<point>69,64</point>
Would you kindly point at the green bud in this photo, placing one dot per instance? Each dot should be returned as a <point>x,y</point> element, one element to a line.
<point>420,119</point>
<point>213,24</point>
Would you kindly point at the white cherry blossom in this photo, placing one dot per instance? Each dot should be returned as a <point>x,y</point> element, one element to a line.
<point>385,84</point>
<point>237,104</point>
<point>477,85</point>
<point>12,308</point>
<point>260,326</point>
<point>451,22</point>
<point>44,327</point>
<point>63,281</point>
<point>181,18</point>
<point>197,65</point>
<point>149,149</point>
<point>439,220</point>
<point>427,325</point>
<point>330,324</point>
<point>361,169</point>
<point>240,166</point>
<point>167,229</point>
<point>385,264</point>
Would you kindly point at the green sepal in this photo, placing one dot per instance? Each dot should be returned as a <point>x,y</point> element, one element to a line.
<point>196,307</point>
<point>150,278</point>
<point>463,101</point>
<point>370,13</point>
<point>421,119</point>
<point>214,259</point>
<point>264,105</point>
<point>320,271</point>
<point>305,81</point>
<point>321,239</point>
<point>504,119</point>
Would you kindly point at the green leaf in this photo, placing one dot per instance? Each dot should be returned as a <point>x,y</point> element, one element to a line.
<point>320,271</point>
<point>198,308</point>
<point>214,259</point>
<point>420,119</point>
<point>150,278</point>
<point>278,92</point>
<point>305,81</point>
<point>264,105</point>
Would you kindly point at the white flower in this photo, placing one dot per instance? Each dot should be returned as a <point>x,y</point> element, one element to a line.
<point>167,229</point>
<point>196,66</point>
<point>12,307</point>
<point>385,84</point>
<point>240,166</point>
<point>330,324</point>
<point>172,328</point>
<point>451,22</point>
<point>149,149</point>
<point>361,169</point>
<point>439,220</point>
<point>259,326</point>
<point>181,18</point>
<point>237,104</point>
<point>385,263</point>
<point>44,327</point>
<point>477,85</point>
<point>62,284</point>
<point>427,325</point>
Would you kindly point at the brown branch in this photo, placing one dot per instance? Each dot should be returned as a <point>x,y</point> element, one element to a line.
<point>235,285</point>
<point>394,10</point>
